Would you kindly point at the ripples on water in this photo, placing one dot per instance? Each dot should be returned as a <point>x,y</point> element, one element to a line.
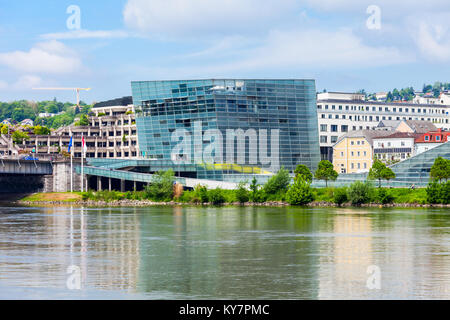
<point>224,253</point>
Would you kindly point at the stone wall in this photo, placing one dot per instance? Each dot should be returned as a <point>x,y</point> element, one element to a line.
<point>61,177</point>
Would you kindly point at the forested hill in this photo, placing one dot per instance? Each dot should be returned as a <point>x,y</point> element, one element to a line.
<point>65,112</point>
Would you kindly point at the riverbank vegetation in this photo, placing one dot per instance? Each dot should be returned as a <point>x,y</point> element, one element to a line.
<point>279,189</point>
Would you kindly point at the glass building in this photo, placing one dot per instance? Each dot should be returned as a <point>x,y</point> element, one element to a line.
<point>228,130</point>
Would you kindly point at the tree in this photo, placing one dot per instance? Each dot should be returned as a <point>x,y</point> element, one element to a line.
<point>278,183</point>
<point>84,121</point>
<point>161,187</point>
<point>303,172</point>
<point>379,172</point>
<point>300,193</point>
<point>256,193</point>
<point>19,136</point>
<point>440,169</point>
<point>360,192</point>
<point>41,130</point>
<point>325,172</point>
<point>242,194</point>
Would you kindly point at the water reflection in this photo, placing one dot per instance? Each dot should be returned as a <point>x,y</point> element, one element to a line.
<point>232,253</point>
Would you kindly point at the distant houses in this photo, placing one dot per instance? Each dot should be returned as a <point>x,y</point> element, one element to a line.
<point>390,142</point>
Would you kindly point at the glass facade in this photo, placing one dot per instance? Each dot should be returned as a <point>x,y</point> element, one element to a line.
<point>231,130</point>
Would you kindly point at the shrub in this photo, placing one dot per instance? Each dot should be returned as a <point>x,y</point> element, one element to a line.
<point>300,193</point>
<point>217,196</point>
<point>434,193</point>
<point>200,195</point>
<point>278,183</point>
<point>242,194</point>
<point>340,196</point>
<point>303,172</point>
<point>161,187</point>
<point>384,196</point>
<point>360,192</point>
<point>445,192</point>
<point>256,193</point>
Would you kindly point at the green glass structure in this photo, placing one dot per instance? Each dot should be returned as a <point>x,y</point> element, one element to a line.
<point>228,129</point>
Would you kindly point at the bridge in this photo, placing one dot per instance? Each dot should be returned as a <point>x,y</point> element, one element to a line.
<point>20,176</point>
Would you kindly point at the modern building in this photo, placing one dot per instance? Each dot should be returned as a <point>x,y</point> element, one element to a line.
<point>228,129</point>
<point>431,140</point>
<point>353,153</point>
<point>111,133</point>
<point>340,113</point>
<point>395,147</point>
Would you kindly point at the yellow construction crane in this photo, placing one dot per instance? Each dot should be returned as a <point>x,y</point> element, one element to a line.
<point>75,89</point>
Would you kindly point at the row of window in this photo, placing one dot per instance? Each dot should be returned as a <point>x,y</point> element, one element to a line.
<point>381,109</point>
<point>377,118</point>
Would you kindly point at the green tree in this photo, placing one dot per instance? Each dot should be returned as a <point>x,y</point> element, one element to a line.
<point>325,171</point>
<point>302,171</point>
<point>161,187</point>
<point>19,136</point>
<point>340,196</point>
<point>216,196</point>
<point>360,192</point>
<point>379,172</point>
<point>440,169</point>
<point>84,121</point>
<point>278,183</point>
<point>300,193</point>
<point>242,194</point>
<point>256,193</point>
<point>41,130</point>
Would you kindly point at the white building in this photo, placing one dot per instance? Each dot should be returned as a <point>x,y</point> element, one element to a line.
<point>396,147</point>
<point>339,113</point>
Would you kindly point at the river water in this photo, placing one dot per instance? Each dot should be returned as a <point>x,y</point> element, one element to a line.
<point>224,253</point>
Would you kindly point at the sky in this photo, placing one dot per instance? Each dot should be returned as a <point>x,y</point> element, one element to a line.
<point>345,45</point>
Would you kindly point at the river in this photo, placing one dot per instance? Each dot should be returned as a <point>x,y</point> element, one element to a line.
<point>224,253</point>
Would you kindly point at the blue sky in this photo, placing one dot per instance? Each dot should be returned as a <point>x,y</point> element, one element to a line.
<point>338,43</point>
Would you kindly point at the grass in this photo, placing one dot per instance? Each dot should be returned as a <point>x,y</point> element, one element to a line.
<point>401,195</point>
<point>54,196</point>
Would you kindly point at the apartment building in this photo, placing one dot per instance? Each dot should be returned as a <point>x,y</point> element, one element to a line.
<point>395,147</point>
<point>111,133</point>
<point>340,113</point>
<point>353,152</point>
<point>431,140</point>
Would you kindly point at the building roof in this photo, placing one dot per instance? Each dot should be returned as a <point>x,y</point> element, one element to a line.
<point>419,126</point>
<point>124,101</point>
<point>379,103</point>
<point>388,123</point>
<point>400,135</point>
<point>444,137</point>
<point>369,135</point>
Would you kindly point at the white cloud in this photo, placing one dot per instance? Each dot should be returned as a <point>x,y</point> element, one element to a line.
<point>45,57</point>
<point>185,17</point>
<point>3,85</point>
<point>311,49</point>
<point>86,34</point>
<point>431,34</point>
<point>27,82</point>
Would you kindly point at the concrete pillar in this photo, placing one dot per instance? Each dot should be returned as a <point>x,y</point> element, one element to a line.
<point>134,186</point>
<point>99,184</point>
<point>122,185</point>
<point>110,186</point>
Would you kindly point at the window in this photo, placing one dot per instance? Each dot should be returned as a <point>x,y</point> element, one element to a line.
<point>323,139</point>
<point>334,128</point>
<point>402,143</point>
<point>334,139</point>
<point>344,128</point>
<point>323,128</point>
<point>427,138</point>
<point>365,165</point>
